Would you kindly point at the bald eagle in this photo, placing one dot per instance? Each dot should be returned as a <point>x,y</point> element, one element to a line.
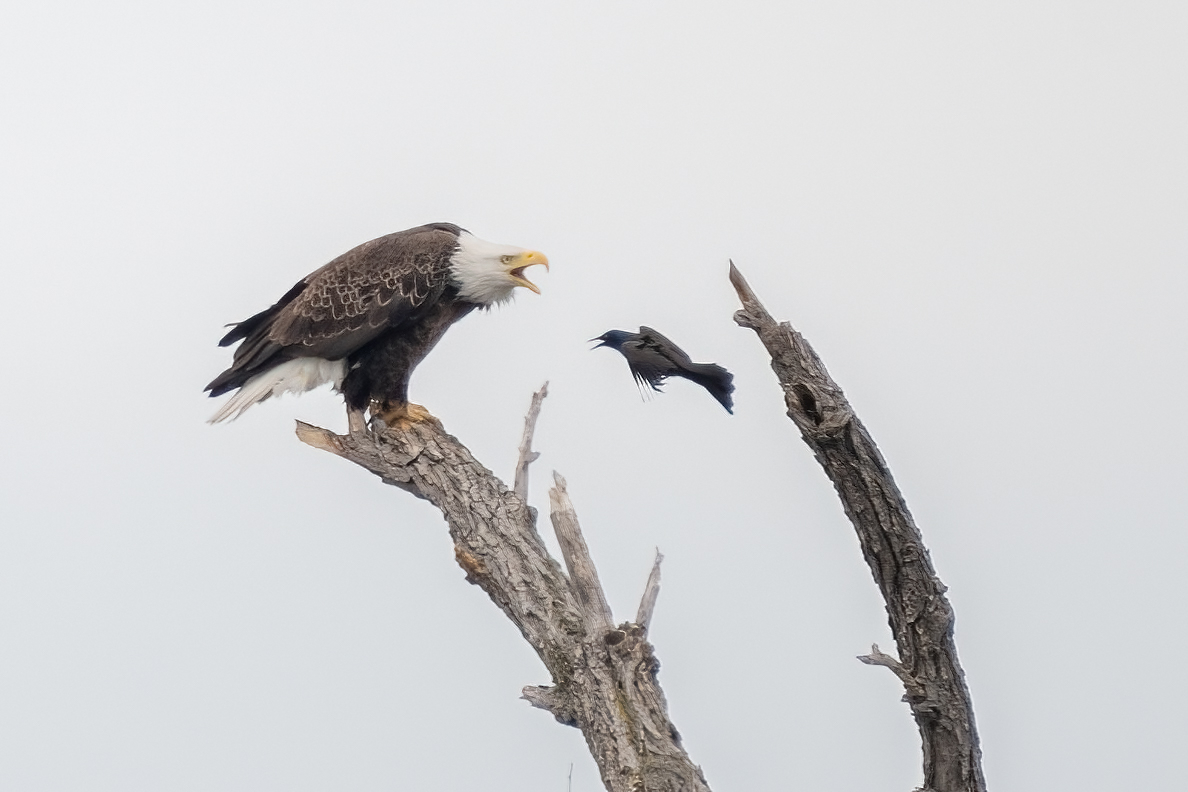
<point>365,320</point>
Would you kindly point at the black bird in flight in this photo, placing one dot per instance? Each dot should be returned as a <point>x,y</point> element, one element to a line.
<point>653,359</point>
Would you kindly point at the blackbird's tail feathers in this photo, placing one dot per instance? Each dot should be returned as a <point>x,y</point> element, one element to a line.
<point>715,379</point>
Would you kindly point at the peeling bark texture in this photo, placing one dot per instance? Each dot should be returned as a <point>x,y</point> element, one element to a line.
<point>604,677</point>
<point>918,611</point>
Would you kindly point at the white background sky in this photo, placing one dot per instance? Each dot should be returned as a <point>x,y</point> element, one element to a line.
<point>975,211</point>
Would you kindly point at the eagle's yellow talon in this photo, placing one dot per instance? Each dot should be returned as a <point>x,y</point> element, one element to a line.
<point>402,416</point>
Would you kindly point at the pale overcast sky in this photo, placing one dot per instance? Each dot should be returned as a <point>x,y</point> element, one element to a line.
<point>975,211</point>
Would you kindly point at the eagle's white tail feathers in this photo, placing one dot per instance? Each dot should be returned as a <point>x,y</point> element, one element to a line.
<point>292,376</point>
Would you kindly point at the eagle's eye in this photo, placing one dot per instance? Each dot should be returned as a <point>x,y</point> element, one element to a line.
<point>505,259</point>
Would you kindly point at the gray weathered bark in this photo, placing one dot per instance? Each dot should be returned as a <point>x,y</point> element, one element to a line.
<point>604,677</point>
<point>918,612</point>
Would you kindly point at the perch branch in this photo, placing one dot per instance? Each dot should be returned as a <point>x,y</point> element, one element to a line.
<point>920,616</point>
<point>604,678</point>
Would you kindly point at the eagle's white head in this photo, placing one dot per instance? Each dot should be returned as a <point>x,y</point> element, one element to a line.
<point>486,273</point>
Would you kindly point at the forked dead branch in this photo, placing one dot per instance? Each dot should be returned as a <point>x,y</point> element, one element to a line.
<point>604,677</point>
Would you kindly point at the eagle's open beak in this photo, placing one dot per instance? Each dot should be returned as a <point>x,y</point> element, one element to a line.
<point>521,262</point>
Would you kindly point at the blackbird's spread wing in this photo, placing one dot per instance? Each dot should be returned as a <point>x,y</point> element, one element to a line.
<point>653,358</point>
<point>653,340</point>
<point>646,366</point>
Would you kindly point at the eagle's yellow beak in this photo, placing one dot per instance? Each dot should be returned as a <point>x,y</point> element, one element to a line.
<point>521,261</point>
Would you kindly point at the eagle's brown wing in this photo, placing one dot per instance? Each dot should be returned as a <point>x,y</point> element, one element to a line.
<point>341,307</point>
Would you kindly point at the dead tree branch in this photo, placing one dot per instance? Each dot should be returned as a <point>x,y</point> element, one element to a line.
<point>583,577</point>
<point>604,678</point>
<point>643,616</point>
<point>920,616</point>
<point>527,455</point>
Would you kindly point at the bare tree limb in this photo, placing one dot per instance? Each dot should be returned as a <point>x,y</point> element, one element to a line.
<point>643,616</point>
<point>583,577</point>
<point>879,658</point>
<point>920,616</point>
<point>604,678</point>
<point>527,455</point>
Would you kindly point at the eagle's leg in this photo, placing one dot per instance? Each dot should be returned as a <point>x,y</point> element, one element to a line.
<point>401,415</point>
<point>356,423</point>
